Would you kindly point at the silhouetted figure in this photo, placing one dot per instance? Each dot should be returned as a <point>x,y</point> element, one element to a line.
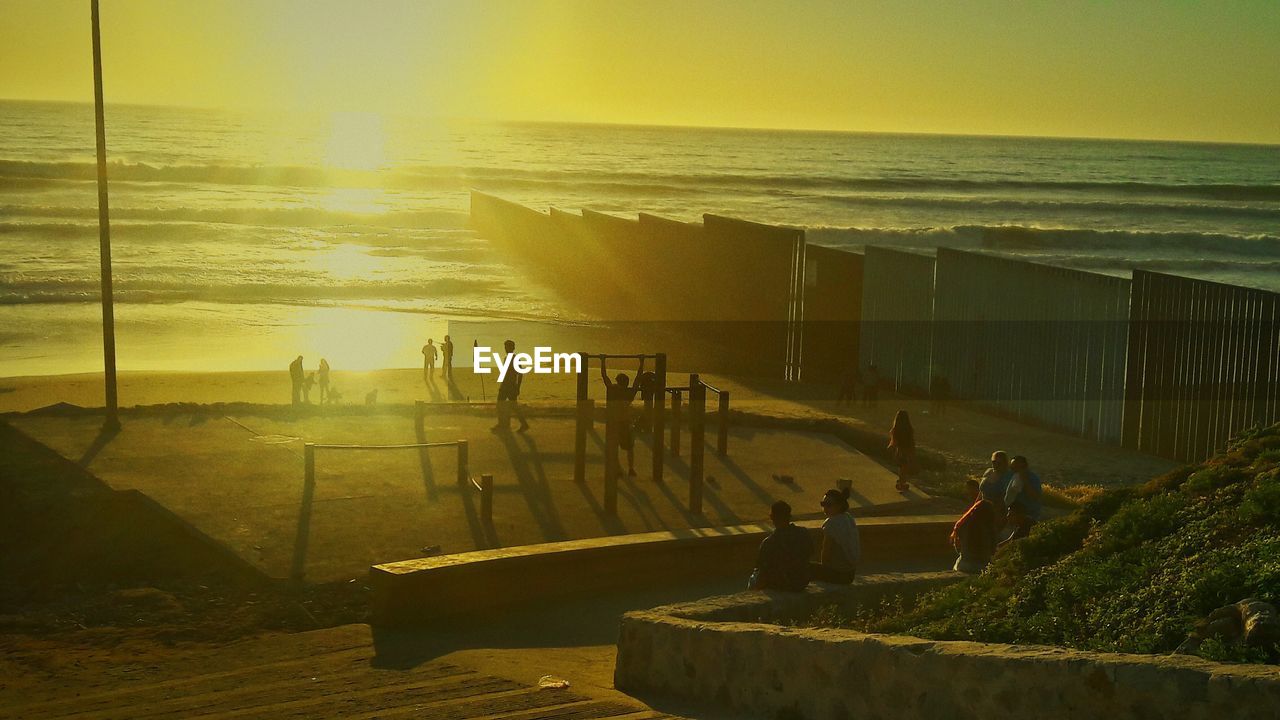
<point>296,376</point>
<point>446,369</point>
<point>782,562</point>
<point>974,534</point>
<point>509,396</point>
<point>871,387</point>
<point>939,394</point>
<point>902,441</point>
<point>619,394</point>
<point>841,548</point>
<point>307,384</point>
<point>1024,498</point>
<point>322,378</point>
<point>850,379</point>
<point>647,384</point>
<point>428,360</point>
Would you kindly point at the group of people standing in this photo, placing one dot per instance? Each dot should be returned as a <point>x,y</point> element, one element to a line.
<point>429,353</point>
<point>303,382</point>
<point>1006,503</point>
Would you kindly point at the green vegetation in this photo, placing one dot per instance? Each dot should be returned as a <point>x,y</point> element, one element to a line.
<point>1130,570</point>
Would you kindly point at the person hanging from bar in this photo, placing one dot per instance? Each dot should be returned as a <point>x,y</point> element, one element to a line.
<point>647,383</point>
<point>619,394</point>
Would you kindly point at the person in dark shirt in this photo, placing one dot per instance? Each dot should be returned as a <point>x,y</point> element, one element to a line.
<point>783,560</point>
<point>296,375</point>
<point>446,355</point>
<point>619,394</point>
<point>509,396</point>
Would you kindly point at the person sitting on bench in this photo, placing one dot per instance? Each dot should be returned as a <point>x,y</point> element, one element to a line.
<point>783,560</point>
<point>841,549</point>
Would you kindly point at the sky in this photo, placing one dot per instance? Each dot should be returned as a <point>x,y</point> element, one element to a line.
<point>1183,70</point>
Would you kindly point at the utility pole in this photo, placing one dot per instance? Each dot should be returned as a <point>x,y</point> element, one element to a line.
<point>112,421</point>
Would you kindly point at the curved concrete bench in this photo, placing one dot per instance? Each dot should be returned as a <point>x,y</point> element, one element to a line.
<point>416,591</point>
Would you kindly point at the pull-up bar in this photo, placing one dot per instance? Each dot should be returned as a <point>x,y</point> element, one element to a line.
<point>586,416</point>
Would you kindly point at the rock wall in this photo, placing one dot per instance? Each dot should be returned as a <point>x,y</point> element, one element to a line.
<point>718,652</point>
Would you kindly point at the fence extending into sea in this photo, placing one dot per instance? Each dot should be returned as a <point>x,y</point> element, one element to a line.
<point>1164,364</point>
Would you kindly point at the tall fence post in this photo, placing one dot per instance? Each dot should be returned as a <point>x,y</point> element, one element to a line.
<point>463,470</point>
<point>722,441</point>
<point>304,513</point>
<point>697,443</point>
<point>585,416</point>
<point>486,499</point>
<point>611,465</point>
<point>676,399</point>
<point>659,411</point>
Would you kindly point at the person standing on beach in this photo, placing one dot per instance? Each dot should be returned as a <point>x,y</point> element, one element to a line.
<point>509,396</point>
<point>428,360</point>
<point>446,368</point>
<point>322,377</point>
<point>850,379</point>
<point>296,375</point>
<point>902,441</point>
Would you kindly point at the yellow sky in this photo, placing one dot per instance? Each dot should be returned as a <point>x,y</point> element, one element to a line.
<point>1130,68</point>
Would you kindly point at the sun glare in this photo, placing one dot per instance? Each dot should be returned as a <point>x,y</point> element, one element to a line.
<point>357,141</point>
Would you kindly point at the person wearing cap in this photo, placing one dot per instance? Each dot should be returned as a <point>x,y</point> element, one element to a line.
<point>783,560</point>
<point>840,550</point>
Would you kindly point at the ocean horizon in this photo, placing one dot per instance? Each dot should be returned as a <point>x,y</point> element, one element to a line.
<point>239,236</point>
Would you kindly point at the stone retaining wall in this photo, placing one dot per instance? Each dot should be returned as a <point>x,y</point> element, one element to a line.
<point>718,651</point>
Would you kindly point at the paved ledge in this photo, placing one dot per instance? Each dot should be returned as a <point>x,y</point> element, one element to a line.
<point>421,590</point>
<point>718,652</point>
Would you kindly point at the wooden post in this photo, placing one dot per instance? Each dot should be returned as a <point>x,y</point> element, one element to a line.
<point>659,410</point>
<point>722,441</point>
<point>676,398</point>
<point>611,462</point>
<point>104,233</point>
<point>304,513</point>
<point>463,471</point>
<point>697,443</point>
<point>585,417</point>
<point>486,499</point>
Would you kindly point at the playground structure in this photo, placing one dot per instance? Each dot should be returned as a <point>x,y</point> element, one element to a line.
<point>655,414</point>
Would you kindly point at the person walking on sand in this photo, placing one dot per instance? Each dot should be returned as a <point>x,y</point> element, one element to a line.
<point>902,441</point>
<point>446,367</point>
<point>296,375</point>
<point>619,394</point>
<point>509,396</point>
<point>322,378</point>
<point>428,360</point>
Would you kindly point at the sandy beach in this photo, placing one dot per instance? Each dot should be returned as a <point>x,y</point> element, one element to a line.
<point>965,436</point>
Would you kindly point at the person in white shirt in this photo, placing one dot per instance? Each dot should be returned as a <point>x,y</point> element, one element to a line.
<point>840,550</point>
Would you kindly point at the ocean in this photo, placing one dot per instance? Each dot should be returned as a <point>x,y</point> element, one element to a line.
<point>241,239</point>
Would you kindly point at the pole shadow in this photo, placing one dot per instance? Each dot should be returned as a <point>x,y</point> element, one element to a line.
<point>105,435</point>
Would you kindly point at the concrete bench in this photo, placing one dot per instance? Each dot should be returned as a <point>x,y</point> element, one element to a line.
<point>426,589</point>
